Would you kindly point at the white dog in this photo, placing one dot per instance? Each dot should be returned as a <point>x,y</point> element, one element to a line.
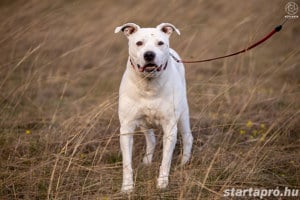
<point>152,92</point>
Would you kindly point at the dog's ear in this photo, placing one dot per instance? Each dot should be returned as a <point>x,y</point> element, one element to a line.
<point>128,28</point>
<point>168,28</point>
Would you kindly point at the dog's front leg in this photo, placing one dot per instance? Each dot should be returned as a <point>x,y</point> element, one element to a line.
<point>169,141</point>
<point>126,142</point>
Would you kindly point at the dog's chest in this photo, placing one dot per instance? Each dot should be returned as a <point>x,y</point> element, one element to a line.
<point>151,118</point>
<point>152,112</point>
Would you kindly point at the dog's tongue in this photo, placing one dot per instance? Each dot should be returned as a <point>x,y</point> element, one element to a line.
<point>150,67</point>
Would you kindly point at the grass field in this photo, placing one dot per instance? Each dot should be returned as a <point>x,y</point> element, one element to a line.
<point>60,69</point>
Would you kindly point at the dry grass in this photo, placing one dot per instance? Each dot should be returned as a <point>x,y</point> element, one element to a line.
<point>60,68</point>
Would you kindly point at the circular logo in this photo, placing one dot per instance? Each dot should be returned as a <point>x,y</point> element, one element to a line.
<point>291,8</point>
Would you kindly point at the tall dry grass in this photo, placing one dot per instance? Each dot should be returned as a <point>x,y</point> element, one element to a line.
<point>60,68</point>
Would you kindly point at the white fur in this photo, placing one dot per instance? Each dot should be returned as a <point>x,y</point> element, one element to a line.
<point>157,98</point>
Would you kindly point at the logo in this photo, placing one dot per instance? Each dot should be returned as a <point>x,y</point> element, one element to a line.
<point>291,8</point>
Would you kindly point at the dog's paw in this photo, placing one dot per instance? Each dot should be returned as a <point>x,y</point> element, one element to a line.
<point>185,158</point>
<point>147,160</point>
<point>162,182</point>
<point>126,189</point>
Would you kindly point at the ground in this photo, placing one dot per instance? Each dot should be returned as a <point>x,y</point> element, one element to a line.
<point>60,69</point>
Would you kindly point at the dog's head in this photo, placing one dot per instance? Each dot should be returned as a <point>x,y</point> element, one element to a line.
<point>148,47</point>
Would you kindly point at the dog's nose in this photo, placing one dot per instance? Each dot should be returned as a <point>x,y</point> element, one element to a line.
<point>149,56</point>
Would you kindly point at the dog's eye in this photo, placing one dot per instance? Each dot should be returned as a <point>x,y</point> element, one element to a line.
<point>139,43</point>
<point>160,43</point>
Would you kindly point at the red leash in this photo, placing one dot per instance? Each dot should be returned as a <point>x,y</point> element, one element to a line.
<point>275,30</point>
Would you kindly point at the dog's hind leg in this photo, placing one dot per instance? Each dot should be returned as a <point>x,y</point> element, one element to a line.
<point>151,142</point>
<point>187,137</point>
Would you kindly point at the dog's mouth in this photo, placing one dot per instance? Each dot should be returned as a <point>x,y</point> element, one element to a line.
<point>150,67</point>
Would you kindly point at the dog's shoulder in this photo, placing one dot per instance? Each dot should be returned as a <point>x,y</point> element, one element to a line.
<point>179,67</point>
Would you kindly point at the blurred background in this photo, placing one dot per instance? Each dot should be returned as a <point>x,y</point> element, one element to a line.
<point>60,70</point>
